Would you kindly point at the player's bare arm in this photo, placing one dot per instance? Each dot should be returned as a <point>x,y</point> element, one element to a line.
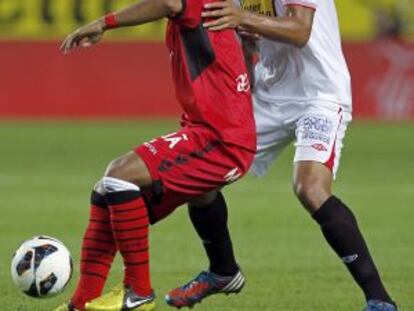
<point>140,13</point>
<point>293,28</point>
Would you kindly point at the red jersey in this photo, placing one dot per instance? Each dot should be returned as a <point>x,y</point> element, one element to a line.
<point>210,77</point>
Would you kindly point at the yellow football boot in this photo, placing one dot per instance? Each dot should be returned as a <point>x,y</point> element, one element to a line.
<point>122,299</point>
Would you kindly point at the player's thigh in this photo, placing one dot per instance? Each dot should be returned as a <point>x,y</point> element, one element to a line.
<point>161,205</point>
<point>190,164</point>
<point>194,161</point>
<point>319,135</point>
<point>274,134</point>
<point>130,167</point>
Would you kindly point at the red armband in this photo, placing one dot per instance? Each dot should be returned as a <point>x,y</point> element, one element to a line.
<point>110,21</point>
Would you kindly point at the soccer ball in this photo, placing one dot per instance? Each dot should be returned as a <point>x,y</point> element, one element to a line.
<point>42,267</point>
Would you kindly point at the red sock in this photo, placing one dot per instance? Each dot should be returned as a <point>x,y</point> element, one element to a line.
<point>129,218</point>
<point>98,252</point>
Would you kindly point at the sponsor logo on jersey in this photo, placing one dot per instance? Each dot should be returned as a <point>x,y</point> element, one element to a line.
<point>262,7</point>
<point>182,159</point>
<point>243,83</point>
<point>314,136</point>
<point>316,128</point>
<point>151,148</point>
<point>317,123</point>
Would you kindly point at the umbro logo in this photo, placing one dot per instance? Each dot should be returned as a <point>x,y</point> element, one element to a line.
<point>319,147</point>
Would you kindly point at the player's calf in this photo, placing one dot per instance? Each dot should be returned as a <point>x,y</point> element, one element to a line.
<point>129,218</point>
<point>98,252</point>
<point>340,228</point>
<point>129,222</point>
<point>209,217</point>
<point>118,221</point>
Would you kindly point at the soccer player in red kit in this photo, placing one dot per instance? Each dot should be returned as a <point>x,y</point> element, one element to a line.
<point>215,147</point>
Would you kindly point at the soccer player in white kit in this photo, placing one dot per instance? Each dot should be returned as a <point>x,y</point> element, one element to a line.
<point>302,94</point>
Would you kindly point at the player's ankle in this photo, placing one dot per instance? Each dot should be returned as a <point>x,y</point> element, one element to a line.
<point>225,271</point>
<point>77,304</point>
<point>140,291</point>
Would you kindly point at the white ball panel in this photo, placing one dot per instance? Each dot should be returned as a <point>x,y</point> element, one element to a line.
<point>25,280</point>
<point>59,264</point>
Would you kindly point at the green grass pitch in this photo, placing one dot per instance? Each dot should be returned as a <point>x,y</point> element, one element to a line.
<point>47,170</point>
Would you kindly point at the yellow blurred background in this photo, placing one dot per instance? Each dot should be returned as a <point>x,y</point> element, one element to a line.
<point>52,19</point>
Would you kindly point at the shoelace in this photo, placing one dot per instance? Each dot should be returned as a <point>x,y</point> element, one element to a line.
<point>203,276</point>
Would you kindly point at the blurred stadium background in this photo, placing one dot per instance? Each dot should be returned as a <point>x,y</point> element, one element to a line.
<point>63,118</point>
<point>37,81</point>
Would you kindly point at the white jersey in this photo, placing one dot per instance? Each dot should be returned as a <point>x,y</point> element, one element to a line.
<point>316,72</point>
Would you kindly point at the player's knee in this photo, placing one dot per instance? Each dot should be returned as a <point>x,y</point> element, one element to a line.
<point>130,168</point>
<point>112,173</point>
<point>116,169</point>
<point>311,194</point>
<point>304,191</point>
<point>203,200</point>
<point>127,172</point>
<point>109,184</point>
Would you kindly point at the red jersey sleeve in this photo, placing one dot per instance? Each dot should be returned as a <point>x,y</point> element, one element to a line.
<point>190,15</point>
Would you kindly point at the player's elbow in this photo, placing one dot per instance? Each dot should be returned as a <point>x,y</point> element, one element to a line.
<point>301,23</point>
<point>173,7</point>
<point>302,37</point>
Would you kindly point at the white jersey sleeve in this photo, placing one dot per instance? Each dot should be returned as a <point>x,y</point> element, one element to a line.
<point>306,3</point>
<point>316,72</point>
<point>237,3</point>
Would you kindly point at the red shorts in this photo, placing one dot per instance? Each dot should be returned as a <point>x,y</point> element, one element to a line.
<point>187,164</point>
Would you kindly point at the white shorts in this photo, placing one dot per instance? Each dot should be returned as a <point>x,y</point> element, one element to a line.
<point>317,128</point>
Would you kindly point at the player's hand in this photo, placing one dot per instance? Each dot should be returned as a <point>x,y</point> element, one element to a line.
<point>84,37</point>
<point>247,35</point>
<point>224,14</point>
